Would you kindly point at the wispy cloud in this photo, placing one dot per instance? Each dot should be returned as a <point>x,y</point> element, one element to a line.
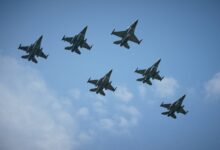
<point>142,90</point>
<point>167,87</point>
<point>32,117</point>
<point>212,87</point>
<point>128,116</point>
<point>83,112</point>
<point>75,93</point>
<point>123,93</point>
<point>31,110</point>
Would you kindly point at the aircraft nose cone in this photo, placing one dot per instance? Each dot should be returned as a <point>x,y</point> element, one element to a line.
<point>109,73</point>
<point>85,29</point>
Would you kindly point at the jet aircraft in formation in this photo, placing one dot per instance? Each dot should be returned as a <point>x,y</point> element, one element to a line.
<point>101,84</point>
<point>174,107</point>
<point>149,73</point>
<point>77,41</point>
<point>104,83</point>
<point>127,35</point>
<point>33,50</point>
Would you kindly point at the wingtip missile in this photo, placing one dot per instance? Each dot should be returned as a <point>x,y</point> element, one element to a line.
<point>19,47</point>
<point>140,41</point>
<point>63,38</point>
<point>89,79</point>
<point>113,31</point>
<point>91,46</point>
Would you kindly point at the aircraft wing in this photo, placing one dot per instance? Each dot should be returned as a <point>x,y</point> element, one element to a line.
<point>41,54</point>
<point>24,48</point>
<point>119,33</point>
<point>165,105</point>
<point>93,81</point>
<point>110,87</point>
<point>86,45</point>
<point>183,111</point>
<point>140,71</point>
<point>68,39</point>
<point>134,39</point>
<point>158,77</point>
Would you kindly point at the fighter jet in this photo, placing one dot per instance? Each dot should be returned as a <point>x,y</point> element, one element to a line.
<point>77,41</point>
<point>33,50</point>
<point>151,72</point>
<point>102,84</point>
<point>174,107</point>
<point>127,35</point>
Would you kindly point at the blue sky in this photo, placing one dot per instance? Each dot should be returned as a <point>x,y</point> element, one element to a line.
<point>49,104</point>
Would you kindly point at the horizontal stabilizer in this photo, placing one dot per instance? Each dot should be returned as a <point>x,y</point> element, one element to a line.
<point>25,56</point>
<point>140,79</point>
<point>93,90</point>
<point>68,48</point>
<point>117,42</point>
<point>126,45</point>
<point>165,113</point>
<point>102,92</point>
<point>34,60</point>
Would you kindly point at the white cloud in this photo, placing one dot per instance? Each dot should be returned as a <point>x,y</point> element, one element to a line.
<point>212,87</point>
<point>107,123</point>
<point>132,112</point>
<point>86,136</point>
<point>142,90</point>
<point>166,87</point>
<point>123,94</point>
<point>128,117</point>
<point>75,93</point>
<point>99,108</point>
<point>83,112</point>
<point>32,117</point>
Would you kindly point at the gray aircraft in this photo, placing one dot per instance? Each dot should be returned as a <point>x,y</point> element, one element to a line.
<point>33,50</point>
<point>127,35</point>
<point>77,41</point>
<point>174,107</point>
<point>102,84</point>
<point>151,72</point>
